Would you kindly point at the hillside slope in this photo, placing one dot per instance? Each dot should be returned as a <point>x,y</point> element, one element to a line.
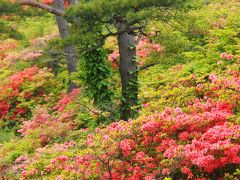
<point>188,126</point>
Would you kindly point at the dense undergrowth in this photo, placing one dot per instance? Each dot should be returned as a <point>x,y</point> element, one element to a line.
<point>188,127</point>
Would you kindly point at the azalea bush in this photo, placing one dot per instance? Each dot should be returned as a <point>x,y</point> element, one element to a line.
<point>171,144</point>
<point>188,126</point>
<point>61,121</point>
<point>200,141</point>
<point>22,91</point>
<point>47,125</point>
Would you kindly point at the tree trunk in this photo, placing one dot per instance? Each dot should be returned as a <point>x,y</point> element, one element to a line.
<point>70,51</point>
<point>129,73</point>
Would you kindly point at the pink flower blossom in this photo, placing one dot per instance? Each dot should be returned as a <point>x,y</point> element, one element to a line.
<point>140,156</point>
<point>125,145</point>
<point>187,171</point>
<point>21,159</point>
<point>223,55</point>
<point>151,127</point>
<point>105,137</point>
<point>184,136</point>
<point>165,171</point>
<point>213,78</point>
<point>89,140</point>
<point>144,48</point>
<point>229,57</point>
<point>59,178</point>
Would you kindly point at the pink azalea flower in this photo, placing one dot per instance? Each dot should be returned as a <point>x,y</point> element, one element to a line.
<point>223,55</point>
<point>165,171</point>
<point>219,63</point>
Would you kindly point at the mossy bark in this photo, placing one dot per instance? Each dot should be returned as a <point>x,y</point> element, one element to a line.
<point>128,72</point>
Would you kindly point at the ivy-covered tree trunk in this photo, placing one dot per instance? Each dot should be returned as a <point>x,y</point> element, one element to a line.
<point>70,51</point>
<point>129,73</point>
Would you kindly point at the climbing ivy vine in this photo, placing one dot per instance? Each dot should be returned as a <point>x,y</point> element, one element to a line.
<point>96,73</point>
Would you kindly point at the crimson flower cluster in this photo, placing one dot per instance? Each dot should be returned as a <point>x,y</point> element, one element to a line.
<point>16,90</point>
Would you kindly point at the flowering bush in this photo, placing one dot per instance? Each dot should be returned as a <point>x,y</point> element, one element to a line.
<point>198,142</point>
<point>32,55</point>
<point>66,100</point>
<point>6,47</point>
<point>54,125</point>
<point>172,143</point>
<point>196,137</point>
<point>26,56</point>
<point>21,90</point>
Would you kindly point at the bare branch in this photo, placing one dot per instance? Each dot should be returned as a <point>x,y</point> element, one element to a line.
<point>42,6</point>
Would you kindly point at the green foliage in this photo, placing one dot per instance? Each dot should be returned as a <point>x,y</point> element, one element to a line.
<point>12,12</point>
<point>165,87</point>
<point>17,147</point>
<point>4,73</point>
<point>55,61</point>
<point>5,135</point>
<point>96,10</point>
<point>7,7</point>
<point>37,27</point>
<point>204,35</point>
<point>100,17</point>
<point>7,31</point>
<point>12,8</point>
<point>96,72</point>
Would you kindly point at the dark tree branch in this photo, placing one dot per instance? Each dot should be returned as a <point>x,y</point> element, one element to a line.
<point>42,6</point>
<point>100,41</point>
<point>57,53</point>
<point>147,66</point>
<point>122,31</point>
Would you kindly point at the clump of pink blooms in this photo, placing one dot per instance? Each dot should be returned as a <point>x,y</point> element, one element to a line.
<point>226,58</point>
<point>41,117</point>
<point>52,125</point>
<point>32,55</point>
<point>25,55</point>
<point>8,46</point>
<point>5,47</point>
<point>226,88</point>
<point>157,145</point>
<point>196,142</point>
<point>224,55</point>
<point>145,47</point>
<point>55,124</point>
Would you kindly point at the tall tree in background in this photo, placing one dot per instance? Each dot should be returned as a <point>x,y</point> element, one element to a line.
<point>125,19</point>
<point>70,52</point>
